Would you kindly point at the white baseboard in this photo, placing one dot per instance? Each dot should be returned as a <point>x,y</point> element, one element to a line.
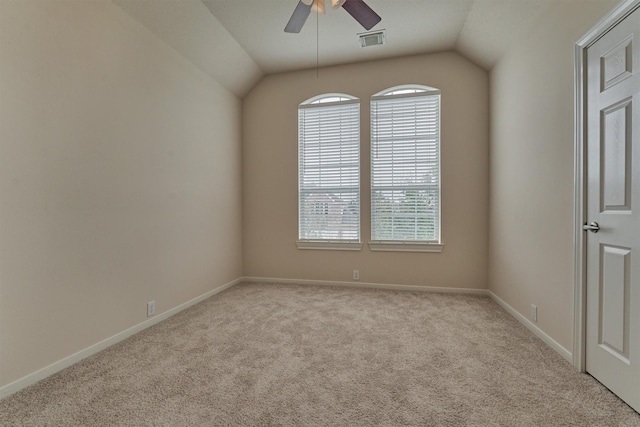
<point>95,348</point>
<point>369,285</point>
<point>533,328</point>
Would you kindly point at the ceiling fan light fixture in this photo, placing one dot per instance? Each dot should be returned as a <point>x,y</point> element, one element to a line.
<point>318,6</point>
<point>337,3</point>
<point>358,9</point>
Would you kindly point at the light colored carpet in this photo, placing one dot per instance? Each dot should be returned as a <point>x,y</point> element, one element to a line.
<point>264,354</point>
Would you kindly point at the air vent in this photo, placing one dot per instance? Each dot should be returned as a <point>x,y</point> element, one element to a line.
<point>371,39</point>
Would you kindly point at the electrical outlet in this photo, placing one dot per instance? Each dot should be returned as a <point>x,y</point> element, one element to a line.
<point>534,313</point>
<point>356,275</point>
<point>151,308</point>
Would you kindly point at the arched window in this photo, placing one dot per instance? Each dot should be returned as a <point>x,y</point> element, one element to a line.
<point>329,172</point>
<point>405,167</point>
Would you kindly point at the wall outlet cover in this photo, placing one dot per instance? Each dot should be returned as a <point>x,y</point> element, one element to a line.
<point>151,308</point>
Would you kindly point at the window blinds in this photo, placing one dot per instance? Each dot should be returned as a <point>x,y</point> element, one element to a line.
<point>329,171</point>
<point>405,167</point>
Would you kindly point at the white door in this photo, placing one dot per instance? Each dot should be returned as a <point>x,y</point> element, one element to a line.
<point>613,202</point>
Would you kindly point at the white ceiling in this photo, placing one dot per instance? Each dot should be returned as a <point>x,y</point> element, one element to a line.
<point>238,41</point>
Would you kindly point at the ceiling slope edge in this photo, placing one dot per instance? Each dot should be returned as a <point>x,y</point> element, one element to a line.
<point>493,27</point>
<point>189,27</point>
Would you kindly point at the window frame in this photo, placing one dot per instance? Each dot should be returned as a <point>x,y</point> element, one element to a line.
<point>322,101</point>
<point>401,92</point>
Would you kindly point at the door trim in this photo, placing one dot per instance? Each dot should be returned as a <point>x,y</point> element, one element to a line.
<point>620,12</point>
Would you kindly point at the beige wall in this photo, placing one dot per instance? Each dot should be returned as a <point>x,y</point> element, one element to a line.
<point>270,175</point>
<point>531,222</point>
<point>119,179</point>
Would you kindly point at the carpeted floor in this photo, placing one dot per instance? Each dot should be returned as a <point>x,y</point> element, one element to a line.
<point>288,355</point>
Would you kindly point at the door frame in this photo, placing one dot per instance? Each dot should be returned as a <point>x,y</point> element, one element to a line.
<point>613,18</point>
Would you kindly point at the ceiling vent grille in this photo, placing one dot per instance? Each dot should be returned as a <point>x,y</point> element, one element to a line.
<point>371,39</point>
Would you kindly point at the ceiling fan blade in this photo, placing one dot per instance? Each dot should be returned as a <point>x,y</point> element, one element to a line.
<point>299,17</point>
<point>362,13</point>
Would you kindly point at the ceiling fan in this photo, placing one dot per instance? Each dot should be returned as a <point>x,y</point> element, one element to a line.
<point>360,11</point>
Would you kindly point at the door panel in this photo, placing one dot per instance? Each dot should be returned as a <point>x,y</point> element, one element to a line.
<point>617,64</point>
<point>615,149</point>
<point>613,200</point>
<point>614,301</point>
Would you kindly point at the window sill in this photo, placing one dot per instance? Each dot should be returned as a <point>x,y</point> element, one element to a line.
<point>334,245</point>
<point>382,246</point>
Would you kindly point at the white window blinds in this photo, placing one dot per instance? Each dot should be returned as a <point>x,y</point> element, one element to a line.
<point>405,166</point>
<point>329,170</point>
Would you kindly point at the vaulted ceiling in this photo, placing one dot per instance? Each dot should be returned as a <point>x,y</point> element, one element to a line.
<point>239,41</point>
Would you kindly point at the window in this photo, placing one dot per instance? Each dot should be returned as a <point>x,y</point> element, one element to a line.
<point>405,169</point>
<point>329,173</point>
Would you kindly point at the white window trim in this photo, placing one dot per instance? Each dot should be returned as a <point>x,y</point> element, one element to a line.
<point>405,246</point>
<point>316,104</point>
<point>426,92</point>
<point>329,245</point>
